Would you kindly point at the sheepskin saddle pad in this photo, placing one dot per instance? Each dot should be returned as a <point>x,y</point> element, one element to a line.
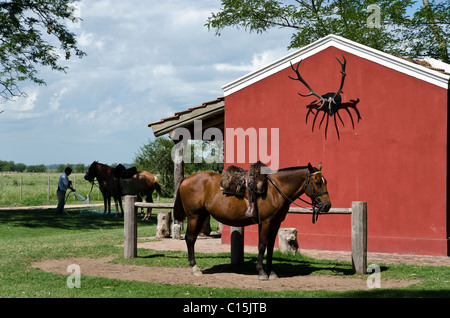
<point>234,181</point>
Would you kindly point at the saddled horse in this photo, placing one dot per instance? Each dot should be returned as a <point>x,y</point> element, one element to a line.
<point>107,184</point>
<point>200,195</point>
<point>141,183</point>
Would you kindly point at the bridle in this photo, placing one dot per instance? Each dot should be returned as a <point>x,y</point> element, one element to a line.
<point>306,186</point>
<point>92,181</point>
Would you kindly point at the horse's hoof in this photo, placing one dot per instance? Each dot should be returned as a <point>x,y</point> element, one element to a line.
<point>263,277</point>
<point>196,271</point>
<point>273,276</point>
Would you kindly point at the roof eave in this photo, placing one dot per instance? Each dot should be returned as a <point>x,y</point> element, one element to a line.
<point>346,45</point>
<point>185,119</point>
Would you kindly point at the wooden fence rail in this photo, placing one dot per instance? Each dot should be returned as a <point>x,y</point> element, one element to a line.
<point>358,213</point>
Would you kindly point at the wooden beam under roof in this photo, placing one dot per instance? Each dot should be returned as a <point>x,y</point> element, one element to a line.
<point>210,113</point>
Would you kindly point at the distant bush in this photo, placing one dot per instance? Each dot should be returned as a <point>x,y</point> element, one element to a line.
<point>10,166</point>
<point>36,168</point>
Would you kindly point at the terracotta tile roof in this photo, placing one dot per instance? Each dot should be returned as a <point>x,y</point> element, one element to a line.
<point>178,114</point>
<point>424,64</point>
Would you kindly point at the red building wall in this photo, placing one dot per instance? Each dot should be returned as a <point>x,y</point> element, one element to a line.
<point>395,158</point>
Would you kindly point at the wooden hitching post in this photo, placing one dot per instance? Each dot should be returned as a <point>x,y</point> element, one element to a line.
<point>359,237</point>
<point>237,245</point>
<point>130,227</point>
<point>178,175</point>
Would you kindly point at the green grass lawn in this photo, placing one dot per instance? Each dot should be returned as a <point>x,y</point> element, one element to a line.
<point>30,236</point>
<point>35,189</point>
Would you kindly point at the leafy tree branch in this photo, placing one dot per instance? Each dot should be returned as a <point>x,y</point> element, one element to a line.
<point>425,32</point>
<point>28,29</point>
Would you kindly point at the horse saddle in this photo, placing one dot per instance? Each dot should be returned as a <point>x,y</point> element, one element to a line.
<point>248,184</point>
<point>120,172</point>
<point>237,181</point>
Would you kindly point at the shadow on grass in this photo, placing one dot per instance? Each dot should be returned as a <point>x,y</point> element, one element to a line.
<point>74,220</point>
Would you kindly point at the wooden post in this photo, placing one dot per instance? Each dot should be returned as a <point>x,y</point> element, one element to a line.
<point>178,176</point>
<point>163,226</point>
<point>237,245</point>
<point>287,240</point>
<point>20,188</point>
<point>359,237</point>
<point>130,227</point>
<point>48,189</point>
<point>74,186</point>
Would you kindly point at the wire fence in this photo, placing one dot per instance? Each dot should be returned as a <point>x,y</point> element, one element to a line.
<point>40,188</point>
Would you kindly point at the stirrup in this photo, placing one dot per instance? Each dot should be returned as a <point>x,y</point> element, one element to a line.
<point>250,212</point>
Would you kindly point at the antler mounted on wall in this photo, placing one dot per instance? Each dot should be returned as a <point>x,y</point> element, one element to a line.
<point>330,103</point>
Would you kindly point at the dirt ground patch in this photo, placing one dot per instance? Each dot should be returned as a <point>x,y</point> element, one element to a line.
<point>102,267</point>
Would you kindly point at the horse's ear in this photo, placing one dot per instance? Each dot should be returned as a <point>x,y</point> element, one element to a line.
<point>310,167</point>
<point>319,166</point>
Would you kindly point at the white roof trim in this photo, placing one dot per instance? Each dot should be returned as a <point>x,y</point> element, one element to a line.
<point>365,52</point>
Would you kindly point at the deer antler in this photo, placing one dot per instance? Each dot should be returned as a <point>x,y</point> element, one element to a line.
<point>322,100</point>
<point>330,103</point>
<point>312,92</point>
<point>343,76</point>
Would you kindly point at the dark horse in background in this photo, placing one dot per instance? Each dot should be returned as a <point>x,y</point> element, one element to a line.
<point>200,195</point>
<point>108,185</point>
<point>121,181</point>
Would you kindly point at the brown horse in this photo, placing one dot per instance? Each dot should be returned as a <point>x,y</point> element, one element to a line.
<point>200,194</point>
<point>141,183</point>
<point>107,184</point>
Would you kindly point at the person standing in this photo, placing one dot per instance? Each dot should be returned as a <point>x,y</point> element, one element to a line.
<point>63,185</point>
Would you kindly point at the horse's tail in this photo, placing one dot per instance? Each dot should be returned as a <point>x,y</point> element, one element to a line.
<point>178,211</point>
<point>157,188</point>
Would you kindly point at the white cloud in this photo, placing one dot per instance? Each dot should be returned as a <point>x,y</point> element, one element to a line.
<point>145,61</point>
<point>164,70</point>
<point>258,61</point>
<point>56,99</point>
<point>88,40</point>
<point>22,107</point>
<point>28,103</point>
<point>227,67</point>
<point>187,17</point>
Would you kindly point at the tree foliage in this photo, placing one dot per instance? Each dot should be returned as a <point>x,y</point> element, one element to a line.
<point>424,33</point>
<point>156,157</point>
<point>10,166</point>
<point>28,30</point>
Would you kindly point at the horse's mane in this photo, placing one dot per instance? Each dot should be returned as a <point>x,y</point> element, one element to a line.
<point>292,168</point>
<point>99,163</point>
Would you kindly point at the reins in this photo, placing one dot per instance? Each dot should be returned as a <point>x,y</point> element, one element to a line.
<point>315,214</point>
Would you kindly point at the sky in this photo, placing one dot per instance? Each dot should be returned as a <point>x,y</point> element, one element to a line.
<point>145,61</point>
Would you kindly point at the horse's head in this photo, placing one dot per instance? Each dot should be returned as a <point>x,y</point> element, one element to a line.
<point>316,188</point>
<point>91,174</point>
